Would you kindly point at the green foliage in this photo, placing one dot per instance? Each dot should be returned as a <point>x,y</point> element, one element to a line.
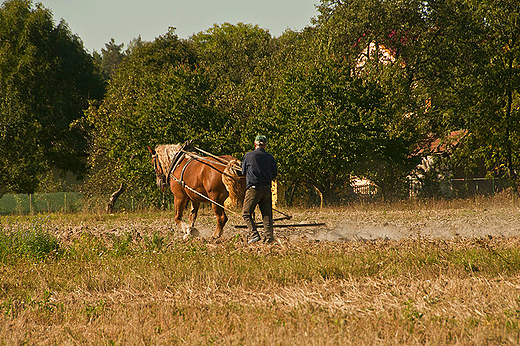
<point>46,79</point>
<point>122,245</point>
<point>156,96</point>
<point>317,124</point>
<point>232,52</point>
<point>327,124</point>
<point>155,242</point>
<point>159,94</point>
<point>455,66</point>
<point>112,55</point>
<point>233,55</point>
<point>494,118</point>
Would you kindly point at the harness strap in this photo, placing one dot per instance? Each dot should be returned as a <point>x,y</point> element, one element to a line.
<point>179,155</point>
<point>184,168</point>
<point>206,197</point>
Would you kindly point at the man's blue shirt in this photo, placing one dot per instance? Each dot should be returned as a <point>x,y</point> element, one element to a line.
<point>259,167</point>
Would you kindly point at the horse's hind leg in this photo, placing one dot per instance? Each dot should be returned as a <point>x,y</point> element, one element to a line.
<point>221,221</point>
<point>194,212</point>
<point>191,230</point>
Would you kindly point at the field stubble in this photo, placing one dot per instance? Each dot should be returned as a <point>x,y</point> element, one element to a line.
<point>424,273</point>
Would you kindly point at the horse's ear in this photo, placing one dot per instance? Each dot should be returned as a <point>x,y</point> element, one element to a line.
<point>150,150</point>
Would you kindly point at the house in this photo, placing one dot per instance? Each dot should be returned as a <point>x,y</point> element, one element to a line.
<point>433,175</point>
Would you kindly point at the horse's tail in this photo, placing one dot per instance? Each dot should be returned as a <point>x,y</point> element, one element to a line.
<point>235,185</point>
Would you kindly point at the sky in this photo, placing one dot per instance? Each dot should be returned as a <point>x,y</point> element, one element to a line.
<point>97,21</point>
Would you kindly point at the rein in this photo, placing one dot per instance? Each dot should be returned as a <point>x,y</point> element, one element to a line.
<point>221,161</point>
<point>218,158</point>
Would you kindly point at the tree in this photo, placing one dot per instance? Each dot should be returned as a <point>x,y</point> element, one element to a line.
<point>111,57</point>
<point>325,123</point>
<point>355,119</point>
<point>46,80</point>
<point>158,95</point>
<point>464,64</point>
<point>134,44</point>
<point>494,118</point>
<point>232,52</point>
<point>232,55</point>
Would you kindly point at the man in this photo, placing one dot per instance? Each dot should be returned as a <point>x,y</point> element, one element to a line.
<point>260,169</point>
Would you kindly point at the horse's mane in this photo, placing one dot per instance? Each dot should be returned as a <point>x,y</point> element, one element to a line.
<point>166,152</point>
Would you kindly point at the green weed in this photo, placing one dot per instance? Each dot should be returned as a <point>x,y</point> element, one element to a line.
<point>155,242</point>
<point>30,240</point>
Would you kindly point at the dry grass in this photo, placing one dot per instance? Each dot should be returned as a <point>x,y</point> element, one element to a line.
<point>128,280</point>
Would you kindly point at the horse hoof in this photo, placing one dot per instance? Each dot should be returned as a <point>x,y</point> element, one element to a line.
<point>191,232</point>
<point>186,236</point>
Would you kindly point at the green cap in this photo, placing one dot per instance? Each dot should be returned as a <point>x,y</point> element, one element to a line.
<point>261,139</point>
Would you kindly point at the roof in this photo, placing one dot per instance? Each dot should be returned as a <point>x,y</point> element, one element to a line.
<point>436,145</point>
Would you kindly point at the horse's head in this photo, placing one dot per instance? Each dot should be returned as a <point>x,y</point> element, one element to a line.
<point>159,172</point>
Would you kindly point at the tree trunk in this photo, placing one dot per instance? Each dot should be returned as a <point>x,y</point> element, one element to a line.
<point>321,196</point>
<point>114,197</point>
<point>509,106</point>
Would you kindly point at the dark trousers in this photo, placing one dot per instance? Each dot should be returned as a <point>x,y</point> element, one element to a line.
<point>261,196</point>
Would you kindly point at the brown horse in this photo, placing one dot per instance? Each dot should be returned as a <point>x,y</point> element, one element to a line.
<point>198,179</point>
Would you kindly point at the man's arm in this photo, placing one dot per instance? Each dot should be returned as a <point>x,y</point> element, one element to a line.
<point>244,165</point>
<point>275,169</point>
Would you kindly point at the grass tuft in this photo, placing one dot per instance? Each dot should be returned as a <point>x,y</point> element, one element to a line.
<point>30,240</point>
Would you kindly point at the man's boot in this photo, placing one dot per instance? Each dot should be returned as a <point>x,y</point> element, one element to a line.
<point>268,229</point>
<point>253,237</point>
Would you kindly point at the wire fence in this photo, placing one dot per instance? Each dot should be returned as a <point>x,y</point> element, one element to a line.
<point>469,187</point>
<point>40,203</point>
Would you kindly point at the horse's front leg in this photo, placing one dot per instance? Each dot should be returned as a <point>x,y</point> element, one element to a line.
<point>180,205</point>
